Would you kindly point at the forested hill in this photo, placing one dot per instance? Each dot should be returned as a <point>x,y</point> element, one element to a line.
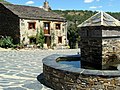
<point>80,15</point>
<point>4,1</point>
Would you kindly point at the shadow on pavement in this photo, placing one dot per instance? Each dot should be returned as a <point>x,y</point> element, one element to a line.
<point>41,79</point>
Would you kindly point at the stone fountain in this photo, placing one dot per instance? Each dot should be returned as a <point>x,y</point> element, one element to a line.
<point>100,41</point>
<point>100,58</point>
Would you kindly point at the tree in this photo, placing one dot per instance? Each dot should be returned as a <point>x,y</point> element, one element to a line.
<point>40,38</point>
<point>72,35</point>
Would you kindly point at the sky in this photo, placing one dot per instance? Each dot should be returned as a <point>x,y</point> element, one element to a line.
<point>94,5</point>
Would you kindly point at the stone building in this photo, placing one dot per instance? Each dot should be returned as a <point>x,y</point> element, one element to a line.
<point>22,23</point>
<point>100,42</point>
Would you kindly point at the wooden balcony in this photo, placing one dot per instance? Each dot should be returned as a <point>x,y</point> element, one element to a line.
<point>46,31</point>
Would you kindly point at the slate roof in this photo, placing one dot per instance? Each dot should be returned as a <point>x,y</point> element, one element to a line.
<point>31,12</point>
<point>100,19</point>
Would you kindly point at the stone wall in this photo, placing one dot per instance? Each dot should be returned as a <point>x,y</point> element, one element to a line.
<point>91,52</point>
<point>110,52</point>
<point>91,47</point>
<point>64,80</point>
<point>66,77</point>
<point>100,47</point>
<point>9,24</point>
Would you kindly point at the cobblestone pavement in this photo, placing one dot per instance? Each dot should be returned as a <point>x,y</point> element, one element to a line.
<point>19,69</point>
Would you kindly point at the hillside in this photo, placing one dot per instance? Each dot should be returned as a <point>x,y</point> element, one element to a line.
<point>75,15</point>
<point>80,15</point>
<point>4,1</point>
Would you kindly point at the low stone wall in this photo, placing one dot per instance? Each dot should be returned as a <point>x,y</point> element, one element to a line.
<point>66,77</point>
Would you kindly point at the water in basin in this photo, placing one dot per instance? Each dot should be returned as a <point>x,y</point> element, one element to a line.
<point>76,64</point>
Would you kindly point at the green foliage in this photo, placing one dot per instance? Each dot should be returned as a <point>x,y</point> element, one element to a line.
<point>79,15</point>
<point>6,42</point>
<point>32,39</point>
<point>53,37</point>
<point>73,35</point>
<point>40,38</point>
<point>115,14</point>
<point>4,1</point>
<point>54,45</point>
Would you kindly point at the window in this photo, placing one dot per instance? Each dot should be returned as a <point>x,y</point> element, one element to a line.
<point>46,26</point>
<point>57,26</point>
<point>31,25</point>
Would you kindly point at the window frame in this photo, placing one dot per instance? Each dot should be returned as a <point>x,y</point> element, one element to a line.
<point>58,26</point>
<point>33,25</point>
<point>46,25</point>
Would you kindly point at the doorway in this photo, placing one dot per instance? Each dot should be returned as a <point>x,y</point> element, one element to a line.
<point>32,40</point>
<point>48,40</point>
<point>59,39</point>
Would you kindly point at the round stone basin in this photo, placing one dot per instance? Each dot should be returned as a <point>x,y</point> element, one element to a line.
<point>66,77</point>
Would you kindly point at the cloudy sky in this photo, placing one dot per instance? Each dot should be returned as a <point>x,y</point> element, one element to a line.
<point>98,5</point>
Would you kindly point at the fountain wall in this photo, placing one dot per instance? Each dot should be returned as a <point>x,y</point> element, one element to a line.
<point>66,77</point>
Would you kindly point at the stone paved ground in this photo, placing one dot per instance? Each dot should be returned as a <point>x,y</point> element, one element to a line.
<point>19,69</point>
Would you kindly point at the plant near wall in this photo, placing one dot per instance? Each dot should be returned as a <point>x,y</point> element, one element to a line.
<point>6,42</point>
<point>40,38</point>
<point>32,37</point>
<point>53,38</point>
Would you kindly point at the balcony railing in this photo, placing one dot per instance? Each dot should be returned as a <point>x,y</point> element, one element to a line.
<point>46,31</point>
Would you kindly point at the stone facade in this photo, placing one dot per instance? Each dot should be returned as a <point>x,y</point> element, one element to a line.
<point>26,33</point>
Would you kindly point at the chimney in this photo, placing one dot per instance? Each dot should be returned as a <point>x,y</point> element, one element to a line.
<point>46,6</point>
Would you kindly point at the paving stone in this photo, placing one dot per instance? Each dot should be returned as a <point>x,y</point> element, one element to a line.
<point>15,88</point>
<point>35,86</point>
<point>19,69</point>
